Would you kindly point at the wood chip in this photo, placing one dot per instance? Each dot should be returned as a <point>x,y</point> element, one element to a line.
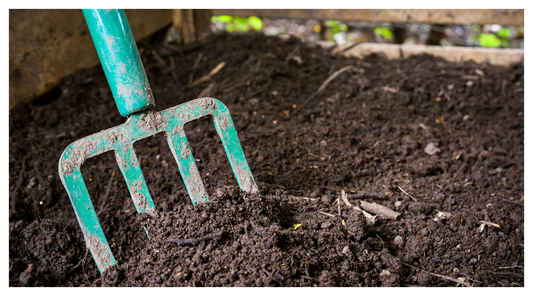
<point>369,218</point>
<point>375,208</point>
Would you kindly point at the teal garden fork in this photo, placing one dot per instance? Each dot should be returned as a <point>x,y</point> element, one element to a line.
<point>127,79</point>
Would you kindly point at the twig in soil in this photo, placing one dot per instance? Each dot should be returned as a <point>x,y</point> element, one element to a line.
<point>301,197</point>
<point>83,264</point>
<point>514,202</point>
<point>94,283</point>
<point>19,183</point>
<point>407,194</point>
<point>331,215</point>
<point>198,59</point>
<point>108,189</point>
<point>482,222</point>
<point>466,284</point>
<point>158,58</point>
<point>470,279</point>
<point>194,241</point>
<point>371,219</point>
<point>321,88</point>
<point>382,243</point>
<point>172,67</point>
<point>509,267</point>
<point>383,211</point>
<point>490,223</point>
<point>207,77</point>
<point>289,57</point>
<point>81,260</point>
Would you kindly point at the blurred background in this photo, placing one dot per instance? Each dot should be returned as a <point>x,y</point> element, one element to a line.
<point>47,45</point>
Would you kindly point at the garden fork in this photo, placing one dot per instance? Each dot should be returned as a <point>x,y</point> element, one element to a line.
<point>127,79</point>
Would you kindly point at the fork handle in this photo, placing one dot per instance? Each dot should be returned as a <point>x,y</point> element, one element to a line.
<point>120,59</point>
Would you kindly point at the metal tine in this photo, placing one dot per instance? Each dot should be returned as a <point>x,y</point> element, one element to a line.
<point>189,172</point>
<point>129,166</point>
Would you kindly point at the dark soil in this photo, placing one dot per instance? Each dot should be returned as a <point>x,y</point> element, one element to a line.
<point>366,133</point>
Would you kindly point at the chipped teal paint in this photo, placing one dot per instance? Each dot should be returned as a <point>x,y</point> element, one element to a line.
<point>120,139</point>
<point>120,59</point>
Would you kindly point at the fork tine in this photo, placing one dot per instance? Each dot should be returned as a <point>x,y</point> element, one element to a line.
<point>228,135</point>
<point>95,239</point>
<point>189,172</point>
<point>129,166</point>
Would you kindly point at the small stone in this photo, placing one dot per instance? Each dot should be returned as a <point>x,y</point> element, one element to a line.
<point>431,149</point>
<point>325,225</point>
<point>323,143</point>
<point>346,250</point>
<point>456,270</point>
<point>398,240</point>
<point>442,216</point>
<point>398,205</point>
<point>384,272</point>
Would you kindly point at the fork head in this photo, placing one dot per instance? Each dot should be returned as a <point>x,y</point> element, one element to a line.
<point>120,139</point>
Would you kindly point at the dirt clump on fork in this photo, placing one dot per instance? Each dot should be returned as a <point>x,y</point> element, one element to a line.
<point>367,133</point>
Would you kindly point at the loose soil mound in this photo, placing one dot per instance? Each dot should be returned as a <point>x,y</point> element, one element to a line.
<point>450,135</point>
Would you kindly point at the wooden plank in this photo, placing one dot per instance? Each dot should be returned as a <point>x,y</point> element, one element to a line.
<point>202,22</point>
<point>188,29</point>
<point>456,54</point>
<point>46,45</point>
<point>193,24</point>
<point>507,17</point>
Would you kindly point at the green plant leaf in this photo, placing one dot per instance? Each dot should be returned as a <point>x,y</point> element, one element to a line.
<point>384,32</point>
<point>240,20</point>
<point>230,27</point>
<point>343,27</point>
<point>225,18</point>
<point>331,23</point>
<point>505,33</point>
<point>255,22</point>
<point>296,226</point>
<point>489,40</point>
<point>241,24</point>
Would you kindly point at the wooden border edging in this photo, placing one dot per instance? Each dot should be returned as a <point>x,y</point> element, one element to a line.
<point>506,17</point>
<point>456,54</point>
<point>46,45</point>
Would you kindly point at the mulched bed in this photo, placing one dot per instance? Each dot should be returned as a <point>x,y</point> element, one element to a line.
<point>450,135</point>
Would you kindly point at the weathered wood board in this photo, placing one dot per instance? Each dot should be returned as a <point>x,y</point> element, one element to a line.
<point>509,17</point>
<point>457,54</point>
<point>46,45</point>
